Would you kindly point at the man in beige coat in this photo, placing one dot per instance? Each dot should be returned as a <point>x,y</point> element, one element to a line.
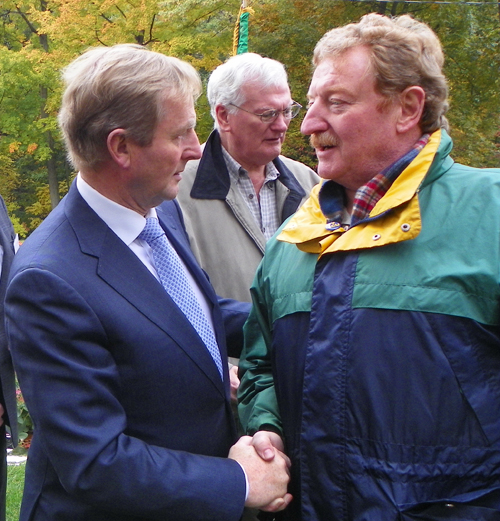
<point>237,195</point>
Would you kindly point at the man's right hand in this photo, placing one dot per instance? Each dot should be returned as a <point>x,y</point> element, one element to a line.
<point>267,480</point>
<point>265,443</point>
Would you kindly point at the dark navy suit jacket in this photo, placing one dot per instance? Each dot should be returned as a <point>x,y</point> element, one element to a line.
<point>7,382</point>
<point>7,385</point>
<point>132,420</point>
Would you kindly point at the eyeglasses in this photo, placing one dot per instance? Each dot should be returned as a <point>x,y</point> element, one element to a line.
<point>272,115</point>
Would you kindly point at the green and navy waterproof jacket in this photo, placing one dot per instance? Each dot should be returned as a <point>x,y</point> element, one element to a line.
<point>375,351</point>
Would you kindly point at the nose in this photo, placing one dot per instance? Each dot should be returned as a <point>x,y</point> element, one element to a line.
<point>313,123</point>
<point>281,123</point>
<point>193,149</point>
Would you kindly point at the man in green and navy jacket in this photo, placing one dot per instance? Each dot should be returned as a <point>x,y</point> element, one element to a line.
<point>372,351</point>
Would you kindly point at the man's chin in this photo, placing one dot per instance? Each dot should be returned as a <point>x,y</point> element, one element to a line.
<point>325,171</point>
<point>273,150</point>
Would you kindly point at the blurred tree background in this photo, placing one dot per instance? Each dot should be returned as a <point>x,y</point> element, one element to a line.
<point>39,37</point>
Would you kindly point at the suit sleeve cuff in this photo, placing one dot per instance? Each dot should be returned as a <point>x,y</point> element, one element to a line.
<point>246,481</point>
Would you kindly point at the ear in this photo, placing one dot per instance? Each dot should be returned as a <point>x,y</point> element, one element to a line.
<point>119,147</point>
<point>412,101</point>
<point>222,114</point>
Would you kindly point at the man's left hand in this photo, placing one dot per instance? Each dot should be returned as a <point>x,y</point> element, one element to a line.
<point>234,382</point>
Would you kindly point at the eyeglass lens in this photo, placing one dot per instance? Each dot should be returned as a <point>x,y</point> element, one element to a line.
<point>288,113</point>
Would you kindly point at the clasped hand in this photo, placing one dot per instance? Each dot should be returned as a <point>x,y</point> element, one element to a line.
<point>267,470</point>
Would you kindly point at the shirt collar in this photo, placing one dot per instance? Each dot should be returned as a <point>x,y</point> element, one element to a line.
<point>125,223</point>
<point>235,169</point>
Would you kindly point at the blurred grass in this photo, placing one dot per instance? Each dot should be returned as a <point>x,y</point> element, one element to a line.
<point>15,486</point>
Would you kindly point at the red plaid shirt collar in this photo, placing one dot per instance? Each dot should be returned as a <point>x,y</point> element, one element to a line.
<point>368,195</point>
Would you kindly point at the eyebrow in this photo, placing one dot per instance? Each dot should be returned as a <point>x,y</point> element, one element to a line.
<point>333,90</point>
<point>265,109</point>
<point>191,123</point>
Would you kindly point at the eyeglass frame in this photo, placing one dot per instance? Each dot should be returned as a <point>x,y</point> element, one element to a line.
<point>273,113</point>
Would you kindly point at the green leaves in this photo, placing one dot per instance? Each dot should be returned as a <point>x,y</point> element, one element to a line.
<point>38,38</point>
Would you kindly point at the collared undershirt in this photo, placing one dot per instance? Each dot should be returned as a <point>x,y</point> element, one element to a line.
<point>263,207</point>
<point>127,225</point>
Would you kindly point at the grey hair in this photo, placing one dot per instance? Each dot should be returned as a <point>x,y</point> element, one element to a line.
<point>404,52</point>
<point>226,81</point>
<point>123,86</point>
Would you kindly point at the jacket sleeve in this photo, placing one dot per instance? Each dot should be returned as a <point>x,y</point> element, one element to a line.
<point>73,388</point>
<point>234,315</point>
<point>258,407</point>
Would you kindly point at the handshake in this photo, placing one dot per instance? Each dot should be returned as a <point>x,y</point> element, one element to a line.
<point>266,467</point>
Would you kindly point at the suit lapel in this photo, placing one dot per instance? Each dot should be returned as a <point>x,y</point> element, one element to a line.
<point>120,268</point>
<point>170,217</point>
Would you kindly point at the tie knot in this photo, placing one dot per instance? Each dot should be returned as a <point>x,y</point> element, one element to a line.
<point>152,230</point>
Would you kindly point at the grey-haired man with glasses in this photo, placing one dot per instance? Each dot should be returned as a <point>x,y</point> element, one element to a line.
<point>237,195</point>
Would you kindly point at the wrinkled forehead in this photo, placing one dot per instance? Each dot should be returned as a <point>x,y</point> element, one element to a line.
<point>351,67</point>
<point>266,95</point>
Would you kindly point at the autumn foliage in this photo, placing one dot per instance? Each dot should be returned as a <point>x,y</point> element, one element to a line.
<point>39,37</point>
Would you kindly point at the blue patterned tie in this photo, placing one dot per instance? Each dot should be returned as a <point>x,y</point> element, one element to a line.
<point>173,277</point>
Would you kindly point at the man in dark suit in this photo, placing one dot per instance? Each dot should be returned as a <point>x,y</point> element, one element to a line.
<point>8,413</point>
<point>131,407</point>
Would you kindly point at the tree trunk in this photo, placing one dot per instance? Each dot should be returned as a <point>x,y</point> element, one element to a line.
<point>52,172</point>
<point>382,7</point>
<point>51,163</point>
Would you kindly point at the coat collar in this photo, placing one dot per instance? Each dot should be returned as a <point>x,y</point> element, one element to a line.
<point>213,181</point>
<point>395,218</point>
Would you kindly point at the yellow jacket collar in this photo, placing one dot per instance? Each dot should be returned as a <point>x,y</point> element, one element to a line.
<point>308,227</point>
